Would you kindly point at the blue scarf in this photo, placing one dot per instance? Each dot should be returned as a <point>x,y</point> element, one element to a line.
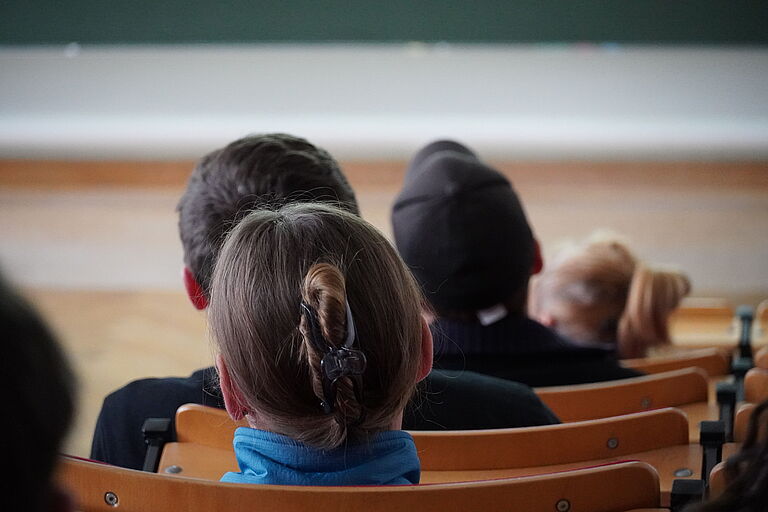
<point>389,458</point>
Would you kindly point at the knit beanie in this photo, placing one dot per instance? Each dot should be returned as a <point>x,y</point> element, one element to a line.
<point>461,229</point>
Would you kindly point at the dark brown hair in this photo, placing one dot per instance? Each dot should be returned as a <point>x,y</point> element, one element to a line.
<point>325,257</point>
<point>259,170</point>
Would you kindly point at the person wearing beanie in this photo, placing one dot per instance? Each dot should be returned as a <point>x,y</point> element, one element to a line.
<point>462,230</point>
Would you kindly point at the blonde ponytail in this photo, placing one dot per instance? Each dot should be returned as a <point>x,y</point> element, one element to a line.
<point>653,295</point>
<point>598,292</point>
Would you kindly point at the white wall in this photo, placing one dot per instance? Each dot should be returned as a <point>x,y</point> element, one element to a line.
<point>383,101</point>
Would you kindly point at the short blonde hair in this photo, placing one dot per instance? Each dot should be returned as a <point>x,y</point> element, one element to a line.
<point>598,291</point>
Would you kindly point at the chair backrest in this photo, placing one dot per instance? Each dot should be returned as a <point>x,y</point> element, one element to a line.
<point>207,426</point>
<point>717,482</point>
<point>713,361</point>
<point>613,398</point>
<point>756,385</point>
<point>741,423</point>
<point>610,488</point>
<point>761,358</point>
<point>551,444</point>
<point>496,448</point>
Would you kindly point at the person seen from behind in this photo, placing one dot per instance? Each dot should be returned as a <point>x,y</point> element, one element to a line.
<point>321,344</point>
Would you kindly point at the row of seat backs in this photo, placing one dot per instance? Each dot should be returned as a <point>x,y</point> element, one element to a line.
<point>715,361</point>
<point>610,488</point>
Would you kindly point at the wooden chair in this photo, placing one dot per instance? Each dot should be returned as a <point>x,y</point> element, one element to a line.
<point>713,361</point>
<point>492,449</point>
<point>760,332</point>
<point>592,440</point>
<point>610,488</point>
<point>700,323</point>
<point>677,388</point>
<point>761,357</point>
<point>658,437</point>
<point>741,425</point>
<point>756,385</point>
<point>717,482</point>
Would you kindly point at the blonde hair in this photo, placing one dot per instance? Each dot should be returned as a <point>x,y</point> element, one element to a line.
<point>326,258</point>
<point>598,292</point>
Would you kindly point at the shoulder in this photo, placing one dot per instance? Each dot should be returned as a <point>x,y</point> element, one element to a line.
<point>159,397</point>
<point>469,400</point>
<point>196,388</point>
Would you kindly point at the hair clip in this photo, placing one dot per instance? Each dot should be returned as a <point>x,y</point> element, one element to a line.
<point>336,363</point>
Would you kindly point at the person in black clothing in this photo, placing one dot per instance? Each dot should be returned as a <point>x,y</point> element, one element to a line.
<point>40,406</point>
<point>272,170</point>
<point>462,230</point>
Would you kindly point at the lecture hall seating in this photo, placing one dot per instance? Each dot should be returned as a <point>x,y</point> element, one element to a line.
<point>716,362</point>
<point>659,437</point>
<point>609,488</point>
<point>686,389</point>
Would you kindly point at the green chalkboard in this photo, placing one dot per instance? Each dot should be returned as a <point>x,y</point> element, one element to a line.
<point>35,22</point>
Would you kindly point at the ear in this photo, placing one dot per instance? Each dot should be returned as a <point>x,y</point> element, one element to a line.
<point>233,400</point>
<point>427,350</point>
<point>538,259</point>
<point>547,320</point>
<point>194,290</point>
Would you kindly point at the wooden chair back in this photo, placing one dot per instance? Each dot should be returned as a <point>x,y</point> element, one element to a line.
<point>551,444</point>
<point>603,399</point>
<point>756,385</point>
<point>496,448</point>
<point>761,357</point>
<point>610,488</point>
<point>741,423</point>
<point>717,482</point>
<point>207,426</point>
<point>713,361</point>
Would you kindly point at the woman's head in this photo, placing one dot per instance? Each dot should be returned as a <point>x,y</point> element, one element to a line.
<point>280,271</point>
<point>598,292</point>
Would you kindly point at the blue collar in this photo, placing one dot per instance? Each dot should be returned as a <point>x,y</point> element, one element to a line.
<point>389,458</point>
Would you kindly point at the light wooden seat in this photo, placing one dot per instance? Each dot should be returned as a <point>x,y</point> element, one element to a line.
<point>741,423</point>
<point>761,357</point>
<point>616,436</point>
<point>206,426</point>
<point>495,448</point>
<point>760,329</point>
<point>756,385</point>
<point>713,361</point>
<point>702,323</point>
<point>611,488</point>
<point>658,437</point>
<point>613,398</point>
<point>717,482</point>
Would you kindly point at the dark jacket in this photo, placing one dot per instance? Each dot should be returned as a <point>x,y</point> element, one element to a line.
<point>452,400</point>
<point>522,350</point>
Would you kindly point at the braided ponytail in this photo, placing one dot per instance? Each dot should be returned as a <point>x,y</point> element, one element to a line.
<point>324,291</point>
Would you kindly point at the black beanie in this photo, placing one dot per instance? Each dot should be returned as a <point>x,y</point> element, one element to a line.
<point>461,229</point>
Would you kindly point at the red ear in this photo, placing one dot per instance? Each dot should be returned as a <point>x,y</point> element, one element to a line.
<point>233,401</point>
<point>194,290</point>
<point>538,259</point>
<point>426,350</point>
